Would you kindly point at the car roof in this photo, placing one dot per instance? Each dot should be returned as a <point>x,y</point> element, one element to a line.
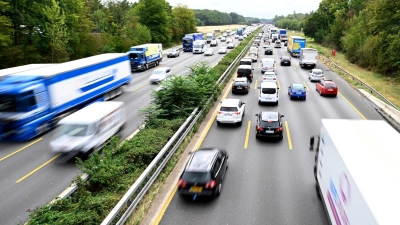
<point>244,67</point>
<point>267,59</point>
<point>246,59</point>
<point>268,84</point>
<point>201,160</point>
<point>162,68</point>
<point>298,85</point>
<point>317,70</point>
<point>269,116</point>
<point>286,57</point>
<point>241,79</point>
<point>230,102</point>
<point>329,81</point>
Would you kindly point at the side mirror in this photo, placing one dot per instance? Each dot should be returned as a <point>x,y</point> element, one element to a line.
<point>311,148</point>
<point>252,69</point>
<point>258,87</point>
<point>282,116</point>
<point>257,114</point>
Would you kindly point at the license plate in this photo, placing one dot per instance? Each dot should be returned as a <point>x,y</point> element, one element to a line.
<point>269,131</point>
<point>299,93</point>
<point>330,89</point>
<point>196,189</point>
<point>239,87</point>
<point>267,98</point>
<point>228,114</point>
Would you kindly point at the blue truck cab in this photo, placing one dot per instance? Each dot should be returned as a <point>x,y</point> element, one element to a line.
<point>33,101</point>
<point>188,39</point>
<point>145,56</point>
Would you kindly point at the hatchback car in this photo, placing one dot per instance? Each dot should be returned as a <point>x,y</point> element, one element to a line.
<point>240,38</point>
<point>269,77</point>
<point>223,39</point>
<point>286,61</point>
<point>213,43</point>
<point>240,85</point>
<point>236,36</point>
<point>316,75</point>
<point>208,52</point>
<point>268,50</point>
<point>230,46</point>
<point>222,50</point>
<point>160,74</point>
<point>269,125</point>
<point>204,172</point>
<point>297,91</point>
<point>327,87</point>
<point>277,44</point>
<point>173,53</point>
<point>231,111</point>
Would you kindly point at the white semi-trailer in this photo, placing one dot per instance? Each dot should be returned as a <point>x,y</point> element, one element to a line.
<point>357,171</point>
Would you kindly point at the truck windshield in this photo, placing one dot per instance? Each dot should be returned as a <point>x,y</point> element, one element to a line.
<point>135,56</point>
<point>8,103</point>
<point>75,130</point>
<point>187,41</point>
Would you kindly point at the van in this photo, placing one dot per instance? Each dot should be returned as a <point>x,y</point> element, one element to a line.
<point>268,93</point>
<point>245,71</point>
<point>267,65</point>
<point>89,129</point>
<point>199,46</point>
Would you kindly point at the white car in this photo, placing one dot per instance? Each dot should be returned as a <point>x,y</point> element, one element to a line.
<point>223,39</point>
<point>209,51</point>
<point>240,38</point>
<point>316,75</point>
<point>222,50</point>
<point>269,77</point>
<point>213,43</point>
<point>228,40</point>
<point>236,36</point>
<point>160,74</point>
<point>231,111</point>
<point>230,46</point>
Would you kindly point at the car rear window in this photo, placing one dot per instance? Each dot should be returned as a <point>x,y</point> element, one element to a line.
<point>317,72</point>
<point>268,91</point>
<point>237,83</point>
<point>229,109</point>
<point>273,124</point>
<point>297,88</point>
<point>244,71</point>
<point>192,177</point>
<point>245,63</point>
<point>330,85</point>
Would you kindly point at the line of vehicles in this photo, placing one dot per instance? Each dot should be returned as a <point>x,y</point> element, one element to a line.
<point>356,168</point>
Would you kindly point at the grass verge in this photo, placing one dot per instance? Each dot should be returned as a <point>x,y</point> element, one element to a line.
<point>388,87</point>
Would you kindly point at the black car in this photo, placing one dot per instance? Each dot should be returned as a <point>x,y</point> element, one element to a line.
<point>269,125</point>
<point>204,172</point>
<point>286,61</point>
<point>240,85</point>
<point>268,51</point>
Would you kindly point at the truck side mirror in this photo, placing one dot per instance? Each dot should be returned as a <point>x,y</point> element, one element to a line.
<point>311,143</point>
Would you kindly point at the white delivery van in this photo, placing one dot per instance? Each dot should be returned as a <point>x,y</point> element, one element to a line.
<point>199,46</point>
<point>268,93</point>
<point>308,57</point>
<point>267,65</point>
<point>89,129</point>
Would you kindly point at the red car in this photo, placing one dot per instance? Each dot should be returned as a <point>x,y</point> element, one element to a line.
<point>327,87</point>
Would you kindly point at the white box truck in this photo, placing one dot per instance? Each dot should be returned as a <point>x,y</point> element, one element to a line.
<point>89,129</point>
<point>357,171</point>
<point>210,37</point>
<point>308,57</point>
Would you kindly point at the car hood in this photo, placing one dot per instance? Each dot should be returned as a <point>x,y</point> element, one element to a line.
<point>157,76</point>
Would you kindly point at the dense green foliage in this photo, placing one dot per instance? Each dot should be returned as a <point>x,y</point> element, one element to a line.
<point>54,31</point>
<point>118,166</point>
<point>367,31</point>
<point>206,17</point>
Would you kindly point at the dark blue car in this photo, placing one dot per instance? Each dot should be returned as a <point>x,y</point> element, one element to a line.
<point>297,91</point>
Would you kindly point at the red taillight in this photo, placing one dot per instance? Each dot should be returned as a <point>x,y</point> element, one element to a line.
<point>211,184</point>
<point>246,87</point>
<point>219,112</point>
<point>274,78</point>
<point>259,128</point>
<point>279,129</point>
<point>237,113</point>
<point>182,183</point>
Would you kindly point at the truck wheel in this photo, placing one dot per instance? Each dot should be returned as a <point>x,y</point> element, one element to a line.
<point>146,67</point>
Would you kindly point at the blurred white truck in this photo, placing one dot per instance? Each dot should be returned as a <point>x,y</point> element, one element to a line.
<point>357,171</point>
<point>308,57</point>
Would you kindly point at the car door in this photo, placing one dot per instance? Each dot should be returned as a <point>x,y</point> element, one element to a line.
<point>217,171</point>
<point>241,108</point>
<point>319,85</point>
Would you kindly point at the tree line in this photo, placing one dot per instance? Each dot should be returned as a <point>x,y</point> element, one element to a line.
<point>206,17</point>
<point>366,31</point>
<point>54,31</point>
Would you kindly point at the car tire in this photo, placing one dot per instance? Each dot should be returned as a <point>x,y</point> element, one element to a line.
<point>290,97</point>
<point>281,137</point>
<point>305,98</point>
<point>290,64</point>
<point>218,190</point>
<point>335,95</point>
<point>277,102</point>
<point>320,93</point>
<point>167,56</point>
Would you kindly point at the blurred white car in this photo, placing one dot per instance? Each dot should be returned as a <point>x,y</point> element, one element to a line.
<point>160,74</point>
<point>230,46</point>
<point>269,77</point>
<point>209,51</point>
<point>240,38</point>
<point>222,50</point>
<point>228,40</point>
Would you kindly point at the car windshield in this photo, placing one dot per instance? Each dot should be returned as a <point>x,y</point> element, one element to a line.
<point>75,130</point>
<point>268,91</point>
<point>228,109</point>
<point>197,46</point>
<point>172,50</point>
<point>192,177</point>
<point>158,71</point>
<point>273,124</point>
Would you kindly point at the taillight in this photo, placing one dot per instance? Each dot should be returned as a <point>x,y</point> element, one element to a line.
<point>279,129</point>
<point>211,184</point>
<point>259,128</point>
<point>182,183</point>
<point>237,113</point>
<point>246,87</point>
<point>219,112</point>
<point>274,78</point>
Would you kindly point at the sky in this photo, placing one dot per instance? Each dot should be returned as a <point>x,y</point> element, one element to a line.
<point>265,9</point>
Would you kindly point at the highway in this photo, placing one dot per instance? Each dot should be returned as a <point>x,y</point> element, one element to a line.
<point>30,175</point>
<point>271,182</point>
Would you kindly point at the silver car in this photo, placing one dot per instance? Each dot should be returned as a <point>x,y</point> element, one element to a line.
<point>316,75</point>
<point>208,52</point>
<point>173,53</point>
<point>222,50</point>
<point>160,74</point>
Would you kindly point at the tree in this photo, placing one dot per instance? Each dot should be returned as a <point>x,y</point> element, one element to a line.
<point>56,29</point>
<point>185,21</point>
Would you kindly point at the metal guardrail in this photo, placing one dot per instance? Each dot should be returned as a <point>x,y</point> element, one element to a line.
<point>330,63</point>
<point>137,191</point>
